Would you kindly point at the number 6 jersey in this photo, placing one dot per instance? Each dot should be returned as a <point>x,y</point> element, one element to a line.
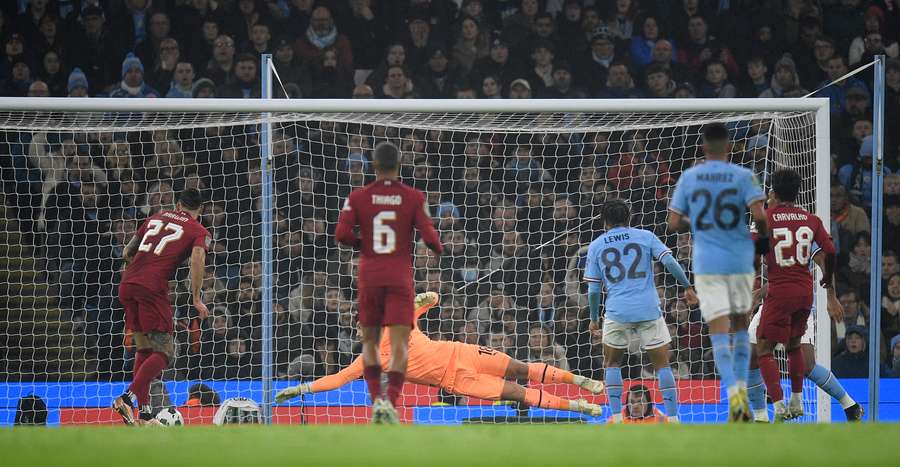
<point>794,230</point>
<point>386,211</point>
<point>622,260</point>
<point>166,240</point>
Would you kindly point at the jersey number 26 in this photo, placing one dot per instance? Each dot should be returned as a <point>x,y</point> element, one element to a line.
<point>153,229</point>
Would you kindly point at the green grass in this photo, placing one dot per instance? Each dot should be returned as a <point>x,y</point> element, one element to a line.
<point>497,445</point>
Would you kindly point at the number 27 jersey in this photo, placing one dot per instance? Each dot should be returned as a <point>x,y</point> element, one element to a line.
<point>622,260</point>
<point>794,231</point>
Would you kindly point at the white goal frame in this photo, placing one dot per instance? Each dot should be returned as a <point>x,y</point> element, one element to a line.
<point>818,105</point>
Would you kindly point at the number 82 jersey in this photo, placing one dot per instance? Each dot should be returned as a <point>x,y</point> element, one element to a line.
<point>793,233</point>
<point>622,260</point>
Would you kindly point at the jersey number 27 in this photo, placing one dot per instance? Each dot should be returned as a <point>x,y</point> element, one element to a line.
<point>153,229</point>
<point>786,253</point>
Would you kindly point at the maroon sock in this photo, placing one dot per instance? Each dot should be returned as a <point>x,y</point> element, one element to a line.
<point>796,369</point>
<point>372,375</point>
<point>139,357</point>
<point>769,369</point>
<point>151,367</point>
<point>395,386</point>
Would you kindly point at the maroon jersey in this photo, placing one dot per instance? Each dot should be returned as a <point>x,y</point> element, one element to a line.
<point>794,233</point>
<point>166,240</point>
<point>386,211</point>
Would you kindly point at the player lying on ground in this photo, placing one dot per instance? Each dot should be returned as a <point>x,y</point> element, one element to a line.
<point>715,196</point>
<point>385,211</point>
<point>466,370</point>
<point>786,316</point>
<point>162,243</point>
<point>622,261</point>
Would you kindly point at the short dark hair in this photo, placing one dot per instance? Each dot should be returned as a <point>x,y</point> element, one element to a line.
<point>786,184</point>
<point>715,133</point>
<point>616,212</point>
<point>386,156</point>
<point>191,198</point>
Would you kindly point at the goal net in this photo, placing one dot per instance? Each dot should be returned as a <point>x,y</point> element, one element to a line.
<point>516,197</point>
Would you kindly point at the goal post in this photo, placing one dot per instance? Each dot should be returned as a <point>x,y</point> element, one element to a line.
<point>515,186</point>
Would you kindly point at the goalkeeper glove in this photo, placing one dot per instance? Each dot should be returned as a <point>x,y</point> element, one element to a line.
<point>292,392</point>
<point>762,245</point>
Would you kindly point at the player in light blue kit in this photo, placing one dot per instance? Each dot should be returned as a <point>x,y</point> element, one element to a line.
<point>622,261</point>
<point>715,196</point>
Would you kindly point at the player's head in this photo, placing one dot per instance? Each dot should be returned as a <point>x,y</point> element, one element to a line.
<point>786,185</point>
<point>386,158</point>
<point>638,403</point>
<point>715,140</point>
<point>616,213</point>
<point>191,200</point>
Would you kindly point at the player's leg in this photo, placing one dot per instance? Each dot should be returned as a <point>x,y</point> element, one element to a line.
<point>543,373</point>
<point>829,383</point>
<point>756,387</point>
<point>714,294</point>
<point>774,328</point>
<point>539,398</point>
<point>371,312</point>
<point>797,373</point>
<point>655,339</point>
<point>741,295</point>
<point>399,357</point>
<point>615,341</point>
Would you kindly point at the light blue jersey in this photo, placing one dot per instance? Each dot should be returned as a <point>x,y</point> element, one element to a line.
<point>715,196</point>
<point>622,260</point>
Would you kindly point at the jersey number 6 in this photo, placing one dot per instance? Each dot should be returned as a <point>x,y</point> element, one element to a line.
<point>153,229</point>
<point>384,239</point>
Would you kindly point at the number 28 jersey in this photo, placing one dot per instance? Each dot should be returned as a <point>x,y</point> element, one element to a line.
<point>715,196</point>
<point>622,260</point>
<point>166,240</point>
<point>386,211</point>
<point>794,233</point>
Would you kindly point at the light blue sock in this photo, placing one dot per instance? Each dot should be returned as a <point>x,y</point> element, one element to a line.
<point>826,380</point>
<point>721,345</point>
<point>756,390</point>
<point>741,356</point>
<point>614,389</point>
<point>669,392</point>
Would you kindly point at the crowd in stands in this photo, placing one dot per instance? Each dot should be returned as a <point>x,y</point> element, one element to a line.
<point>494,198</point>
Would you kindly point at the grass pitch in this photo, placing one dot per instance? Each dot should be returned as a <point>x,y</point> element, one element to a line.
<point>495,445</point>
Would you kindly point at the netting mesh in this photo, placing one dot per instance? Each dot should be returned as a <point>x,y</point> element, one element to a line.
<point>514,195</point>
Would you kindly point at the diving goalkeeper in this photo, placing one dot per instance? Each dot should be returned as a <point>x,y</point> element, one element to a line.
<point>465,369</point>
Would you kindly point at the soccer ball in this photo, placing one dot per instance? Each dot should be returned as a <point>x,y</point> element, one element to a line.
<point>170,417</point>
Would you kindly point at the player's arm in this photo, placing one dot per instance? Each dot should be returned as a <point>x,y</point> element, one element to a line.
<point>678,209</point>
<point>593,278</point>
<point>130,249</point>
<point>347,221</point>
<point>325,383</point>
<point>758,212</point>
<point>674,267</point>
<point>426,229</point>
<point>821,258</point>
<point>198,268</point>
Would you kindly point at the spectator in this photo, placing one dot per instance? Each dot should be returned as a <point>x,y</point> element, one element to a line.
<point>167,57</point>
<point>322,36</point>
<point>891,368</point>
<point>663,54</point>
<point>757,80</point>
<point>541,348</point>
<point>854,361</point>
<point>260,40</point>
<point>857,177</point>
<point>132,84</point>
<point>472,44</point>
<point>517,26</point>
<point>890,303</point>
<point>499,64</point>
<point>642,44</point>
<point>159,28</point>
<point>892,219</point>
<point>366,27</point>
<point>595,67</point>
<point>785,81</point>
<point>837,92</point>
<point>701,47</point>
<point>848,220</point>
<point>520,89</point>
<point>51,72</point>
<point>77,84</point>
<point>716,83</point>
<point>203,88</point>
<point>182,85</point>
<point>397,84</point>
<point>563,87</point>
<point>245,84</point>
<point>328,80</point>
<point>201,395</point>
<point>619,83</point>
<point>396,56</point>
<point>38,89</point>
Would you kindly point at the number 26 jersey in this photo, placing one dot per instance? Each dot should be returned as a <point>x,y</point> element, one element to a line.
<point>794,233</point>
<point>622,260</point>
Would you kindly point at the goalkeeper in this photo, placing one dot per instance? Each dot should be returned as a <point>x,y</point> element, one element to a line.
<point>467,370</point>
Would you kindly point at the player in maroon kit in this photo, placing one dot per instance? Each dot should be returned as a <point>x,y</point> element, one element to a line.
<point>162,243</point>
<point>386,211</point>
<point>790,289</point>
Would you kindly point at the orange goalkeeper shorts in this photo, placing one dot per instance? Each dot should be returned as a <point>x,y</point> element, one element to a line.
<point>478,372</point>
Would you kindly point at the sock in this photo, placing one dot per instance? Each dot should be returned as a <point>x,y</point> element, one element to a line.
<point>827,381</point>
<point>796,397</point>
<point>395,386</point>
<point>139,357</point>
<point>769,369</point>
<point>545,400</point>
<point>372,375</point>
<point>741,357</point>
<point>724,359</point>
<point>669,392</point>
<point>756,391</point>
<point>796,369</point>
<point>614,389</point>
<point>543,373</point>
<point>779,406</point>
<point>151,367</point>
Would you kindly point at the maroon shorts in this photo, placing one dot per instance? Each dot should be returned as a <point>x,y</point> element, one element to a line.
<point>146,310</point>
<point>784,318</point>
<point>386,305</point>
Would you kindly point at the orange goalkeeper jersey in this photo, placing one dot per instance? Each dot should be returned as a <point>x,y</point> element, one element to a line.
<point>429,360</point>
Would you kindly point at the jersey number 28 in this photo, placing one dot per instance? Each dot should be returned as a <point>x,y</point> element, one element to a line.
<point>153,229</point>
<point>384,239</point>
<point>803,238</point>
